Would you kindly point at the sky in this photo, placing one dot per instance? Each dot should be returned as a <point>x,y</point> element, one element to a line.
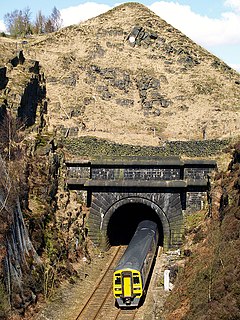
<point>214,24</point>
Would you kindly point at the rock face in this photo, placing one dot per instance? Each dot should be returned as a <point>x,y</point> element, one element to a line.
<point>22,104</point>
<point>43,231</point>
<point>17,265</point>
<point>127,73</point>
<point>43,226</point>
<point>3,78</point>
<point>19,254</point>
<point>23,90</point>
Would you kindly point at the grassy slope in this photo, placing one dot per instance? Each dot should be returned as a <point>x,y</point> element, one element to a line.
<point>204,94</point>
<point>209,286</point>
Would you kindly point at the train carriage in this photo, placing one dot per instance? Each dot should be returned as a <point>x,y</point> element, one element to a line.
<point>131,273</point>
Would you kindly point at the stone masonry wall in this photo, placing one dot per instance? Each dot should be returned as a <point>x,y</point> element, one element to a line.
<point>166,205</point>
<point>197,173</point>
<point>138,173</point>
<point>182,188</point>
<point>195,201</point>
<point>135,173</point>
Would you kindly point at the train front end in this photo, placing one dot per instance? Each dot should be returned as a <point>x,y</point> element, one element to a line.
<point>127,287</point>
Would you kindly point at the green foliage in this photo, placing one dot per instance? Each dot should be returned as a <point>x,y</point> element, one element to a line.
<point>193,220</point>
<point>94,147</point>
<point>41,140</point>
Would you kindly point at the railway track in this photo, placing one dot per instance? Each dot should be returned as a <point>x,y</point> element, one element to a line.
<point>100,305</point>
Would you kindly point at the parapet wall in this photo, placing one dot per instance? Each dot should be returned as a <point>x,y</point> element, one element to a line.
<point>192,176</point>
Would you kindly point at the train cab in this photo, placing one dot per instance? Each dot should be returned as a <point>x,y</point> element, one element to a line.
<point>127,286</point>
<point>132,271</point>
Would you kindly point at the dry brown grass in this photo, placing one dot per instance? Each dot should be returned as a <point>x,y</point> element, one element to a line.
<point>208,287</point>
<point>202,96</point>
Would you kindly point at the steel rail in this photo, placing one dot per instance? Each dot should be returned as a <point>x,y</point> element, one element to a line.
<point>86,304</point>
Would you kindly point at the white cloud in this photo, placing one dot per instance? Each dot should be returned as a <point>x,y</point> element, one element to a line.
<point>202,29</point>
<point>234,4</point>
<point>235,66</point>
<point>82,12</point>
<point>2,26</point>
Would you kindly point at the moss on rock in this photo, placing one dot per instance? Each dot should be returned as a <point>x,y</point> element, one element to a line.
<point>95,148</point>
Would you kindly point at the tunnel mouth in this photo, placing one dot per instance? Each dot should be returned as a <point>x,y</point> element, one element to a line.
<point>125,219</point>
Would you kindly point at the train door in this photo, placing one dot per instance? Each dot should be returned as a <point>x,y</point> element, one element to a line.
<point>127,284</point>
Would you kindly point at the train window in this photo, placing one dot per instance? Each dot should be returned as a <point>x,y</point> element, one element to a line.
<point>136,280</point>
<point>117,280</point>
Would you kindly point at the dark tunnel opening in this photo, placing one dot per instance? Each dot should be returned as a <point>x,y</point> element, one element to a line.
<point>125,219</point>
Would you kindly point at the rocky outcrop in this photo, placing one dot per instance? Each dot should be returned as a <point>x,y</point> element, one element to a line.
<point>150,95</point>
<point>32,98</point>
<point>23,91</point>
<point>18,59</point>
<point>3,78</point>
<point>22,104</point>
<point>20,261</point>
<point>20,258</point>
<point>44,230</point>
<point>148,87</point>
<point>2,112</point>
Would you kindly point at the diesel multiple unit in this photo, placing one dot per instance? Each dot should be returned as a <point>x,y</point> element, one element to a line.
<point>132,271</point>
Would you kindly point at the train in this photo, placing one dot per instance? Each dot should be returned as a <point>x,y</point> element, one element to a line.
<point>132,271</point>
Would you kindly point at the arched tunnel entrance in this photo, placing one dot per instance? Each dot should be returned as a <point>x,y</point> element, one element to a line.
<point>121,192</point>
<point>125,219</point>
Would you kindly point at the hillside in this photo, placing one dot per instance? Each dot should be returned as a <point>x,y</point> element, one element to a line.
<point>208,286</point>
<point>122,84</point>
<point>129,77</point>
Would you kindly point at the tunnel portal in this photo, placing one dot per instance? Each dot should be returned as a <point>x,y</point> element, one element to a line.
<point>122,192</point>
<point>125,219</point>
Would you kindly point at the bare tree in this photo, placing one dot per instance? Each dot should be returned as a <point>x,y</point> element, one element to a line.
<point>18,22</point>
<point>51,23</point>
<point>10,21</point>
<point>49,26</point>
<point>56,19</point>
<point>26,16</point>
<point>40,22</point>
